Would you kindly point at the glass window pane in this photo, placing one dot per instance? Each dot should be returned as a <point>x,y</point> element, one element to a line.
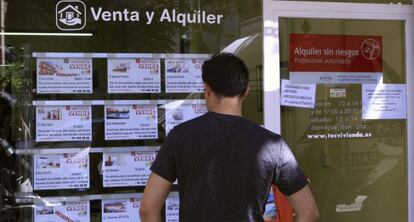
<point>357,164</point>
<point>111,40</point>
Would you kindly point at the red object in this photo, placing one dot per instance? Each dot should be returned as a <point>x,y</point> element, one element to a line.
<point>335,53</point>
<point>284,210</point>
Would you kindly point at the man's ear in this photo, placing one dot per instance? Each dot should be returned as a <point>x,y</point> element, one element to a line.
<point>207,89</point>
<point>246,92</point>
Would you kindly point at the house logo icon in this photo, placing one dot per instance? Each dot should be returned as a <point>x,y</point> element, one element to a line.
<point>70,15</point>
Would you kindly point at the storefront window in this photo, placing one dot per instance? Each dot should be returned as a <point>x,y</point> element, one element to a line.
<point>352,140</point>
<point>91,88</point>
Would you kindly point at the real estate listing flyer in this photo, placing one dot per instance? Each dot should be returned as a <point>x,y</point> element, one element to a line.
<point>122,210</point>
<point>63,212</point>
<point>61,171</point>
<point>176,114</point>
<point>183,76</point>
<point>297,95</point>
<point>384,101</point>
<point>131,122</point>
<point>127,169</point>
<point>172,209</point>
<point>63,123</point>
<point>140,75</point>
<point>64,75</point>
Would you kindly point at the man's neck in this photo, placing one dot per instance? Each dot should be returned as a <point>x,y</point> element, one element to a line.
<point>226,105</point>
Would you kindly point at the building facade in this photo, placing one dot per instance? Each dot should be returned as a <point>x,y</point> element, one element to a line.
<point>89,90</point>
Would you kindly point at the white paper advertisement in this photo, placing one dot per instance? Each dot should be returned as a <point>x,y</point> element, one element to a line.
<point>177,114</point>
<point>64,212</point>
<point>61,171</point>
<point>131,122</point>
<point>134,75</point>
<point>60,75</point>
<point>298,95</point>
<point>63,123</point>
<point>122,210</point>
<point>384,101</point>
<point>172,209</point>
<point>127,169</point>
<point>183,75</point>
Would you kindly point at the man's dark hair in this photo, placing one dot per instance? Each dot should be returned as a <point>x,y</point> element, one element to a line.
<point>226,74</point>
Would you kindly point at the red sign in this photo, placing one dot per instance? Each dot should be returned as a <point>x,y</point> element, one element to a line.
<point>335,53</point>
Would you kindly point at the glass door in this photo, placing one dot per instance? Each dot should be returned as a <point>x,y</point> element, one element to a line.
<point>336,89</point>
<point>90,89</point>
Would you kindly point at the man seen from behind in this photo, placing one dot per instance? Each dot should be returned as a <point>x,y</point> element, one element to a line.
<point>225,164</point>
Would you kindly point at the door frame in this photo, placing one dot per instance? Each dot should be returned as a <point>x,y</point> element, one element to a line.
<point>273,10</point>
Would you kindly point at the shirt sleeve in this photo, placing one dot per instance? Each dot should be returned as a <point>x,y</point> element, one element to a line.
<point>164,164</point>
<point>289,178</point>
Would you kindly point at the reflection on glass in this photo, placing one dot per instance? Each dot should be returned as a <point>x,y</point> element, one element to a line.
<point>98,78</point>
<point>356,164</point>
